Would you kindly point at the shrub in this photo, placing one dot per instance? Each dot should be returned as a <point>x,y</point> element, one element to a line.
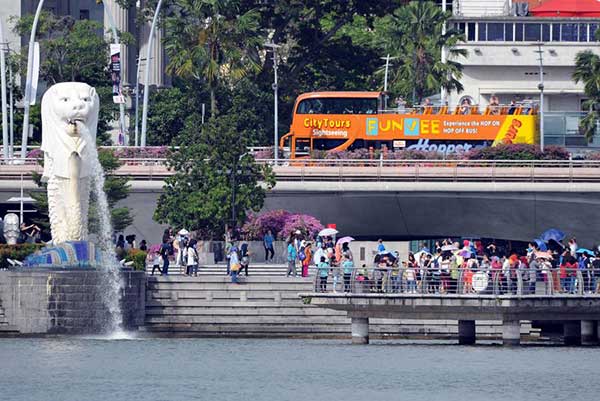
<point>35,154</point>
<point>281,223</point>
<point>518,152</point>
<point>148,152</point>
<point>17,252</point>
<point>308,225</point>
<point>138,258</point>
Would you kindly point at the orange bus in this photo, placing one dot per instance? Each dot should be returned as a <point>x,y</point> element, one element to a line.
<point>335,121</point>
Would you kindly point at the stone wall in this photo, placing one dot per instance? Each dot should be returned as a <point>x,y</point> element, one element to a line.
<point>66,301</point>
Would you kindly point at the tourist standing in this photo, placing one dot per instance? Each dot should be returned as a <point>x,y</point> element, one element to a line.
<point>347,266</point>
<point>380,246</point>
<point>165,250</point>
<point>192,259</point>
<point>291,257</point>
<point>307,258</point>
<point>234,264</point>
<point>323,269</point>
<point>268,241</point>
<point>244,257</point>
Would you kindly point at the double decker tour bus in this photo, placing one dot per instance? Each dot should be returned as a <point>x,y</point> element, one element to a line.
<point>335,121</point>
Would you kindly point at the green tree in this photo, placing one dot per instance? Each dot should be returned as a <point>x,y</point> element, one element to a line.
<point>587,71</point>
<point>413,35</point>
<point>167,112</point>
<point>215,180</point>
<point>116,189</point>
<point>212,41</point>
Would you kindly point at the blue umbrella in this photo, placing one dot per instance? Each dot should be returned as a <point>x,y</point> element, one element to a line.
<point>552,234</point>
<point>585,250</point>
<point>541,244</point>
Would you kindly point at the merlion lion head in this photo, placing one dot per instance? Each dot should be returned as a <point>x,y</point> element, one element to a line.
<point>11,228</point>
<point>69,124</point>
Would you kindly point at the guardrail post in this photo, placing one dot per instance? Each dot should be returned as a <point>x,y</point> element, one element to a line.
<point>417,171</point>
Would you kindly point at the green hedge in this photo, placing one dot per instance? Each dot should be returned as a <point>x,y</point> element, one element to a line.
<point>17,252</point>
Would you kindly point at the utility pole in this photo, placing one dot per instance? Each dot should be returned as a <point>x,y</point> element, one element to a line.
<point>3,44</point>
<point>147,74</point>
<point>28,89</point>
<point>444,58</point>
<point>540,52</point>
<point>274,48</point>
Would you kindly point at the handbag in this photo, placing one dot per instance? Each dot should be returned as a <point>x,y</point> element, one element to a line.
<point>235,267</point>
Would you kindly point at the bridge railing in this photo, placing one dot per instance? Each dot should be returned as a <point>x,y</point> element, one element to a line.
<point>400,280</point>
<point>370,170</point>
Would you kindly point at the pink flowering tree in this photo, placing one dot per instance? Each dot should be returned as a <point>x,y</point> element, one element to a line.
<point>281,223</point>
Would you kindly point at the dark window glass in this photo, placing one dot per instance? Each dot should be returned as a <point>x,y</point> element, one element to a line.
<point>302,145</point>
<point>84,14</point>
<point>556,32</point>
<point>583,33</point>
<point>327,144</point>
<point>593,31</point>
<point>568,32</point>
<point>495,32</point>
<point>461,27</point>
<point>357,144</point>
<point>337,106</point>
<point>545,33</point>
<point>532,32</point>
<point>471,31</point>
<point>482,37</point>
<point>519,32</point>
<point>508,32</point>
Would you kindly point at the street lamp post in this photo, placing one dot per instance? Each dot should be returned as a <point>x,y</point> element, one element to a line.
<point>28,89</point>
<point>274,48</point>
<point>113,28</point>
<point>540,52</point>
<point>137,99</point>
<point>385,78</point>
<point>234,171</point>
<point>3,84</point>
<point>147,74</point>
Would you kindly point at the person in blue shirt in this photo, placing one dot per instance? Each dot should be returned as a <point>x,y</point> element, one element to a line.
<point>347,266</point>
<point>380,246</point>
<point>292,254</point>
<point>323,269</point>
<point>268,241</point>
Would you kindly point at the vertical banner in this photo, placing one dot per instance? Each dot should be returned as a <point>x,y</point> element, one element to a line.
<point>115,73</point>
<point>35,74</point>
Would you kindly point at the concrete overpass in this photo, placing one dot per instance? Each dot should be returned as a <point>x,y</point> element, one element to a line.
<point>404,199</point>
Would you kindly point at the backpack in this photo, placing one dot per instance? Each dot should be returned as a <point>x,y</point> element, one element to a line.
<point>301,255</point>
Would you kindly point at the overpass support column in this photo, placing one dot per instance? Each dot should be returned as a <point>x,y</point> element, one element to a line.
<point>588,334</point>
<point>511,332</point>
<point>572,332</point>
<point>466,332</point>
<point>360,330</point>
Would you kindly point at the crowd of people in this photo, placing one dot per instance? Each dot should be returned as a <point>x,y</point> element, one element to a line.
<point>452,267</point>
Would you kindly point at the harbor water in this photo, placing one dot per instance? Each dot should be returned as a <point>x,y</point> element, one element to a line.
<point>98,369</point>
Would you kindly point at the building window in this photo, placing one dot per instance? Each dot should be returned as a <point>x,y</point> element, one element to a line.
<point>84,14</point>
<point>545,33</point>
<point>593,31</point>
<point>556,32</point>
<point>482,32</point>
<point>583,34</point>
<point>532,32</point>
<point>569,32</point>
<point>495,32</point>
<point>519,32</point>
<point>509,30</point>
<point>471,31</point>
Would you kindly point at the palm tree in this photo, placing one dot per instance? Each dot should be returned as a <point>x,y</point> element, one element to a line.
<point>413,35</point>
<point>207,40</point>
<point>587,71</point>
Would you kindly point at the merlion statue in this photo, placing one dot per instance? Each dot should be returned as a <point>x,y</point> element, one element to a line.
<point>69,123</point>
<point>11,228</point>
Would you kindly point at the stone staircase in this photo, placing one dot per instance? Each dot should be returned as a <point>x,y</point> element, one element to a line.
<point>267,306</point>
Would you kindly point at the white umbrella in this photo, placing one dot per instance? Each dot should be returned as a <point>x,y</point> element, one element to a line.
<point>449,248</point>
<point>183,231</point>
<point>326,232</point>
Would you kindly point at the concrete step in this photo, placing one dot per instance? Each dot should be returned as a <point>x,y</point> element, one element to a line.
<point>223,279</point>
<point>248,311</point>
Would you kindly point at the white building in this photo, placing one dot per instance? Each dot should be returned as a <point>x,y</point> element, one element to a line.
<point>503,60</point>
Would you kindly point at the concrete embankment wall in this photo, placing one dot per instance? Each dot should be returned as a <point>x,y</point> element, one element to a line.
<point>268,306</point>
<point>64,301</point>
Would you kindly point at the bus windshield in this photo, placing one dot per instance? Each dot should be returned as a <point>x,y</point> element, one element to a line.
<point>332,105</point>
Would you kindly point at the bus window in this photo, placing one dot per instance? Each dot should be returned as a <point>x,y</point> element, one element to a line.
<point>327,144</point>
<point>337,106</point>
<point>357,144</point>
<point>302,146</point>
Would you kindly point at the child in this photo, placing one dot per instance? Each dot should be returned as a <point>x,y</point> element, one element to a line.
<point>411,278</point>
<point>323,274</point>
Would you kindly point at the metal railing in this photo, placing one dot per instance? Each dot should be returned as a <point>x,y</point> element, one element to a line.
<point>460,281</point>
<point>370,170</point>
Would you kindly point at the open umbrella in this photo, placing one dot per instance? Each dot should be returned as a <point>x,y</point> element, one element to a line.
<point>449,248</point>
<point>326,232</point>
<point>585,250</point>
<point>183,231</point>
<point>540,244</point>
<point>343,240</point>
<point>552,234</point>
<point>465,253</point>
